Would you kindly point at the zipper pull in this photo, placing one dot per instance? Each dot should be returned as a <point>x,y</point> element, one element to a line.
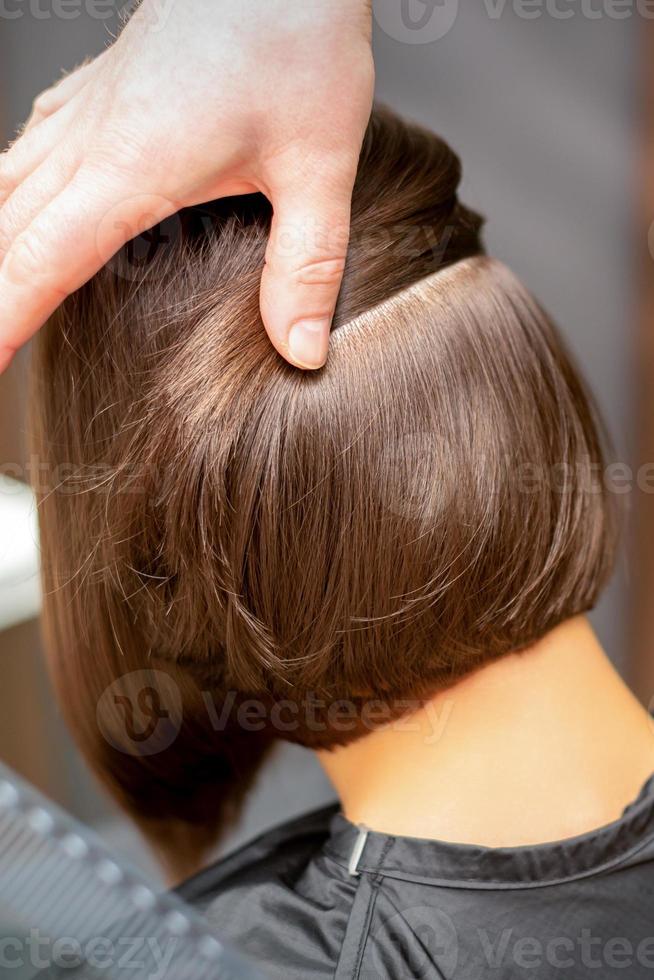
<point>357,850</point>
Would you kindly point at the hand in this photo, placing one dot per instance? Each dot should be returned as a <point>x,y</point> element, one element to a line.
<point>196,100</point>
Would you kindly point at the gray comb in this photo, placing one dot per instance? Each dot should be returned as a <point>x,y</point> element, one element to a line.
<point>70,909</point>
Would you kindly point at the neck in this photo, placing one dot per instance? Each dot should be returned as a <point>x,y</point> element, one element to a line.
<point>537,746</point>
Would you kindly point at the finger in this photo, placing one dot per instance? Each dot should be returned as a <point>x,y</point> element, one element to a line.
<point>36,192</point>
<point>31,149</point>
<point>54,98</point>
<point>304,268</point>
<point>65,245</point>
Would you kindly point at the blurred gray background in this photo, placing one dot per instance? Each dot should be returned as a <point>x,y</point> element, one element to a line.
<point>542,112</point>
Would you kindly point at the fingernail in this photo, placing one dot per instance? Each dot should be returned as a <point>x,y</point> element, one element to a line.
<point>6,357</point>
<point>308,342</point>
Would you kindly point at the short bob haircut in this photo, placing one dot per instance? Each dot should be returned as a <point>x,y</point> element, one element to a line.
<point>224,530</point>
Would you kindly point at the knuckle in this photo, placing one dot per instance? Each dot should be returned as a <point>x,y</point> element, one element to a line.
<point>321,272</point>
<point>27,259</point>
<point>42,104</point>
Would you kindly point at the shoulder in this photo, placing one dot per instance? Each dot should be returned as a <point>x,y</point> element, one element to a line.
<point>279,899</point>
<point>279,850</point>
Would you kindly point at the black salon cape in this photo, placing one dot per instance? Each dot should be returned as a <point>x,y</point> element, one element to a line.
<point>318,898</point>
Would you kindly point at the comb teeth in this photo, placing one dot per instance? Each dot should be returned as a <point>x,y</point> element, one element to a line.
<point>67,903</point>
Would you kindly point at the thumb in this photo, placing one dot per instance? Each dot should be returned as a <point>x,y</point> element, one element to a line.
<point>305,261</point>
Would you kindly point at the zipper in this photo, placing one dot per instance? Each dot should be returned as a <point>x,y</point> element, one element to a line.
<point>357,851</point>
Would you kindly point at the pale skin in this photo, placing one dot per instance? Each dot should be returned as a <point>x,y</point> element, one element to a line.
<point>536,747</point>
<point>196,100</point>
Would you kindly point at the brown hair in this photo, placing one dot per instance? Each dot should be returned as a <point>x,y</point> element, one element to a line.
<point>230,529</point>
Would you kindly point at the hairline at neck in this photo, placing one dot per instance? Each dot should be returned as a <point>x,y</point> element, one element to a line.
<point>537,746</point>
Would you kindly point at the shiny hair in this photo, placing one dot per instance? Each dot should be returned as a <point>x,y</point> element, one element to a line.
<point>233,533</point>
